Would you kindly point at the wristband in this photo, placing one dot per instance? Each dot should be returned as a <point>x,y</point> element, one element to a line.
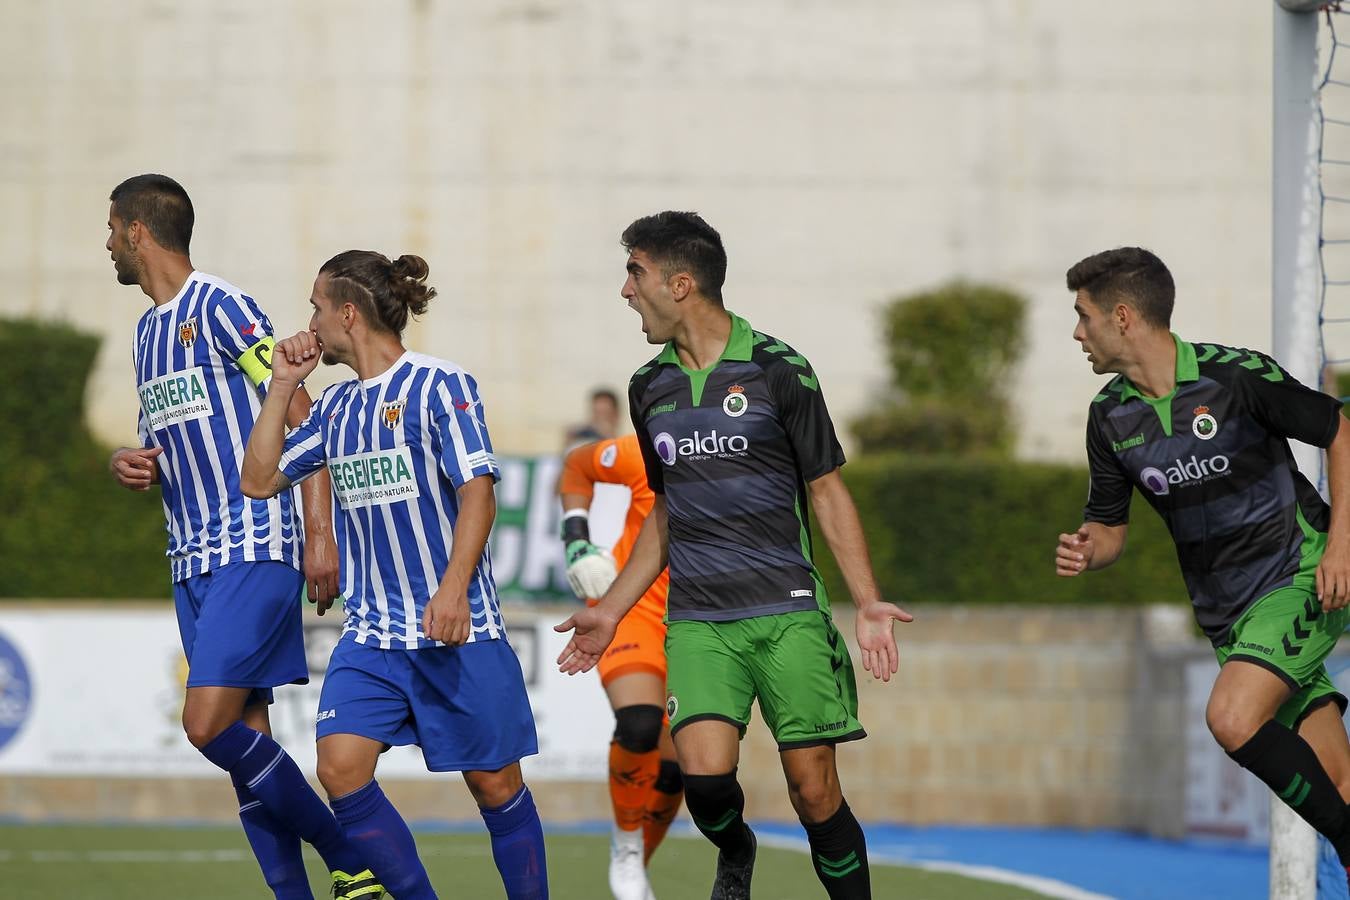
<point>576,525</point>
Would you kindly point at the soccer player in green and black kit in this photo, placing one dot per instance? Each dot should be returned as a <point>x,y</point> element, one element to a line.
<point>736,439</point>
<point>1202,432</point>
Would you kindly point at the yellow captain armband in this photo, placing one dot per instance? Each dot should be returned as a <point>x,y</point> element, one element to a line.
<point>257,361</point>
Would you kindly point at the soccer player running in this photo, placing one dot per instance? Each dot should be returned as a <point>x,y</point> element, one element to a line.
<point>645,787</point>
<point>201,357</point>
<point>736,439</point>
<point>1202,432</point>
<point>423,658</point>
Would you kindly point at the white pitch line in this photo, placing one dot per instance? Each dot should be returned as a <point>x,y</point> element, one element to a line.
<point>1048,887</point>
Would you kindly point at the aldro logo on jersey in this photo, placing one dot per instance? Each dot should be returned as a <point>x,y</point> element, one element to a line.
<point>700,446</point>
<point>187,331</point>
<point>391,413</point>
<point>735,403</point>
<point>1204,426</point>
<point>1184,473</point>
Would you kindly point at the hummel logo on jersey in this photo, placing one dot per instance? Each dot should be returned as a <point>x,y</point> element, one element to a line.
<point>663,408</point>
<point>1126,444</point>
<point>700,446</point>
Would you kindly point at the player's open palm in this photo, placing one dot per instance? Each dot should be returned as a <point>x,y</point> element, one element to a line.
<point>295,357</point>
<point>876,638</point>
<point>592,630</point>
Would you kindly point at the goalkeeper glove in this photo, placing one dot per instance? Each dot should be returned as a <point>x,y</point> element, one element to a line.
<point>590,569</point>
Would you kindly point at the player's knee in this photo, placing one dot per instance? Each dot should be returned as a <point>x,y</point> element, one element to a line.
<point>815,799</point>
<point>637,728</point>
<point>711,795</point>
<point>491,789</point>
<point>337,775</point>
<point>201,729</point>
<point>1231,724</point>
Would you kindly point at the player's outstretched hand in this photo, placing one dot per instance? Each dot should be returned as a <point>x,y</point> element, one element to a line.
<point>447,617</point>
<point>321,569</point>
<point>134,467</point>
<point>1074,552</point>
<point>876,638</point>
<point>592,629</point>
<point>1333,576</point>
<point>295,357</point>
<point>590,569</point>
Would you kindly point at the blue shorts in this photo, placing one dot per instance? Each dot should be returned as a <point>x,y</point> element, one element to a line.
<point>464,706</point>
<point>240,626</point>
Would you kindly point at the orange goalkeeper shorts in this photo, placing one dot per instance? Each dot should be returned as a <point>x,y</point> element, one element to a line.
<point>639,644</point>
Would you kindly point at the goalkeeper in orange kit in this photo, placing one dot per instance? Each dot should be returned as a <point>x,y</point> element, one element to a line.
<point>644,779</point>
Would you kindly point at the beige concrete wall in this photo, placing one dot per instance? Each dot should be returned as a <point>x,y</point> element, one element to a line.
<point>1040,716</point>
<point>848,151</point>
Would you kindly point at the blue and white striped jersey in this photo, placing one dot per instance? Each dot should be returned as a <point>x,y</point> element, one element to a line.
<point>397,448</point>
<point>198,359</point>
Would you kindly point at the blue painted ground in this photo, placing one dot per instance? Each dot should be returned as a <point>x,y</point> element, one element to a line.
<point>1114,864</point>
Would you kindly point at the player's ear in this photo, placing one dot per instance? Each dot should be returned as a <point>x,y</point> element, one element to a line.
<point>681,286</point>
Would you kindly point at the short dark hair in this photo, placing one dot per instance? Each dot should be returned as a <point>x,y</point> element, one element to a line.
<point>1131,274</point>
<point>605,394</point>
<point>386,291</point>
<point>160,204</point>
<point>681,242</point>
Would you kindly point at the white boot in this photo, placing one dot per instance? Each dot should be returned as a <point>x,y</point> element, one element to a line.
<point>627,877</point>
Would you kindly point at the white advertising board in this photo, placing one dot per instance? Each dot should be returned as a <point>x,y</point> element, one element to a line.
<point>95,691</point>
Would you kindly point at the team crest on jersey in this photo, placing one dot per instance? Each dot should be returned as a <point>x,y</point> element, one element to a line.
<point>672,706</point>
<point>391,413</point>
<point>1204,426</point>
<point>609,456</point>
<point>187,331</point>
<point>735,403</point>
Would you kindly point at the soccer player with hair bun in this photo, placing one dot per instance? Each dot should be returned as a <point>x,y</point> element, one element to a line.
<point>423,658</point>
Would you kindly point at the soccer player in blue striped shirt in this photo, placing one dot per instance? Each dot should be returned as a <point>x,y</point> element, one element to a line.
<point>202,356</point>
<point>423,658</point>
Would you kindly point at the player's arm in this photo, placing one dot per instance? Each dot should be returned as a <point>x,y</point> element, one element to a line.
<point>292,359</point>
<point>595,626</point>
<point>1092,546</point>
<point>447,617</point>
<point>316,496</point>
<point>1333,572</point>
<point>838,519</point>
<point>1100,540</point>
<point>590,568</point>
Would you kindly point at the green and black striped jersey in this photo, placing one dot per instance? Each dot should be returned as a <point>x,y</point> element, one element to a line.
<point>1213,459</point>
<point>731,447</point>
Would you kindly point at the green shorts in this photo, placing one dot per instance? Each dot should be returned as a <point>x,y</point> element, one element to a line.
<point>1287,633</point>
<point>797,664</point>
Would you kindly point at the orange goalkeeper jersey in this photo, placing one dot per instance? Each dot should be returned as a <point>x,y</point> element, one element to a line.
<point>618,461</point>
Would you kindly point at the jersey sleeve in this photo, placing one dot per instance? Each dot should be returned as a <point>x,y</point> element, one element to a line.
<point>459,431</point>
<point>578,471</point>
<point>805,418</point>
<point>1286,407</point>
<point>1108,486</point>
<point>240,332</point>
<point>651,463</point>
<point>303,453</point>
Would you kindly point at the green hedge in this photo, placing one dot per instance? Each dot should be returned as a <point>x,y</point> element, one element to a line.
<point>973,531</point>
<point>67,529</point>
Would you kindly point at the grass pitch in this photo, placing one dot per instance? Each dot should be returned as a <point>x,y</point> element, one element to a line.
<point>43,862</point>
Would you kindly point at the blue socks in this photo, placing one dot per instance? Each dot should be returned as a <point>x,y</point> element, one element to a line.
<point>257,763</point>
<point>276,847</point>
<point>517,847</point>
<point>380,835</point>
